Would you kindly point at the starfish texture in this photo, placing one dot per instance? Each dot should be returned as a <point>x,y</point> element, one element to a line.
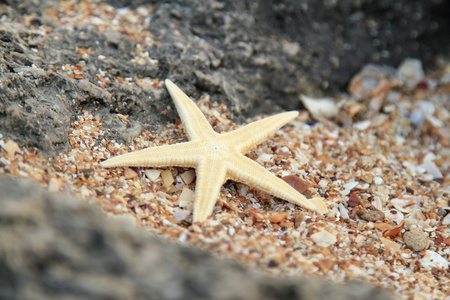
<point>217,157</point>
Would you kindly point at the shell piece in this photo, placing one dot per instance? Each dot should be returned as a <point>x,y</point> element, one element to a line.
<point>152,174</point>
<point>433,260</point>
<point>344,211</point>
<point>323,238</point>
<point>446,220</point>
<point>188,176</point>
<point>404,205</point>
<point>324,107</point>
<point>395,215</point>
<point>430,166</point>
<point>410,72</point>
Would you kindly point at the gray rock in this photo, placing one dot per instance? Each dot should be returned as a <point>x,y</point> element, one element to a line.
<point>56,247</point>
<point>254,56</point>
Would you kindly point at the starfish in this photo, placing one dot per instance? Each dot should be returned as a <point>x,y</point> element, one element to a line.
<point>217,157</point>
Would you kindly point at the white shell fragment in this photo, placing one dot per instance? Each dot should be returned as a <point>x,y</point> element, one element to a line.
<point>433,260</point>
<point>152,174</point>
<point>323,238</point>
<point>410,72</point>
<point>430,166</point>
<point>324,107</point>
<point>404,205</point>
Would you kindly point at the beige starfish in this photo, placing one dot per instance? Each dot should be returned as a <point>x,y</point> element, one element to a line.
<point>217,157</point>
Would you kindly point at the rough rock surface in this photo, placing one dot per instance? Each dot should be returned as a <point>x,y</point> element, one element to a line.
<point>56,247</point>
<point>254,56</point>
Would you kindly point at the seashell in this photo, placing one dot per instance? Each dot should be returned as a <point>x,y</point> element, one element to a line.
<point>410,72</point>
<point>446,220</point>
<point>433,260</point>
<point>324,107</point>
<point>403,205</point>
<point>430,166</point>
<point>394,215</point>
<point>344,211</point>
<point>416,215</point>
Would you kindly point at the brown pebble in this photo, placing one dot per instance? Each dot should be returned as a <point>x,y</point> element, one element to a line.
<point>416,239</point>
<point>370,215</point>
<point>297,183</point>
<point>277,217</point>
<point>299,218</point>
<point>354,200</point>
<point>130,173</point>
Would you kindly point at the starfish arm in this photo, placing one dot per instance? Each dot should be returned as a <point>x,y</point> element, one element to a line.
<point>245,138</point>
<point>247,171</point>
<point>197,126</point>
<point>211,175</point>
<point>181,155</point>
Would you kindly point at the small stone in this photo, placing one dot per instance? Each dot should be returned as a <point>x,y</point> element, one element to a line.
<point>371,215</point>
<point>130,173</point>
<point>11,147</point>
<point>277,217</point>
<point>323,238</point>
<point>416,239</point>
<point>297,183</point>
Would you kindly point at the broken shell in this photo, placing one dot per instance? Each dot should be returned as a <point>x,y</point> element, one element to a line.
<point>323,238</point>
<point>433,260</point>
<point>446,220</point>
<point>394,215</point>
<point>344,211</point>
<point>410,72</point>
<point>403,205</point>
<point>324,107</point>
<point>416,215</point>
<point>393,231</point>
<point>152,174</point>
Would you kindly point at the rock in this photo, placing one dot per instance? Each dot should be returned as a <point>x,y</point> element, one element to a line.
<point>416,239</point>
<point>253,58</point>
<point>57,247</point>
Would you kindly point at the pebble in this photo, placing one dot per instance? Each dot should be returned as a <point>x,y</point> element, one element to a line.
<point>416,239</point>
<point>277,217</point>
<point>297,183</point>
